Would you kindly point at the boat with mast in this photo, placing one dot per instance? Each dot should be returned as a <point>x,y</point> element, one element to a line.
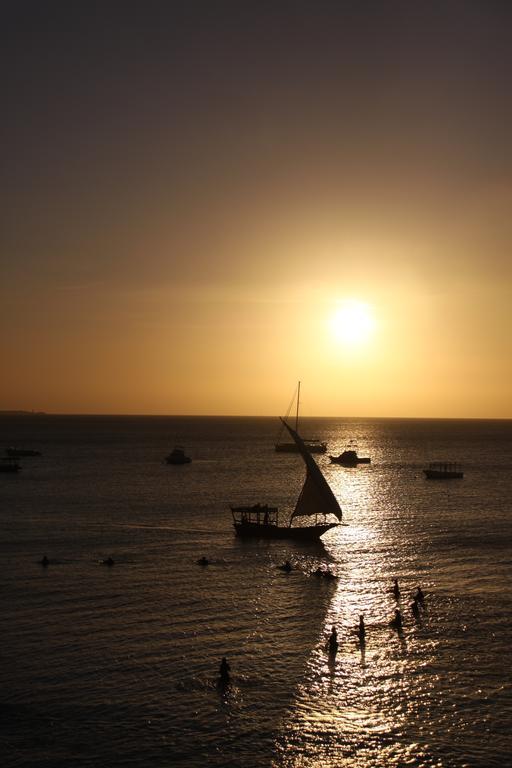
<point>316,499</point>
<point>313,445</point>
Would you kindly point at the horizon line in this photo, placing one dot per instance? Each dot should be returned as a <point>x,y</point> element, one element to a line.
<point>21,412</point>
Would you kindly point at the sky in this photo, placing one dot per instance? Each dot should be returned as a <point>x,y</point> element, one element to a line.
<point>192,190</point>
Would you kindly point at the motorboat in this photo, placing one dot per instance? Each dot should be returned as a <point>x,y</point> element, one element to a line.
<point>349,457</point>
<point>443,470</point>
<point>178,456</point>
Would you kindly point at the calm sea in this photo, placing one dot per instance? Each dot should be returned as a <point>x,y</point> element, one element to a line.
<point>117,666</point>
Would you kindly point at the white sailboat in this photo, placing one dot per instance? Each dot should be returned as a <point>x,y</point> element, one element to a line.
<point>316,499</point>
<point>312,445</point>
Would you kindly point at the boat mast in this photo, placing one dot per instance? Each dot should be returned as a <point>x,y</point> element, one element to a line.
<point>297,411</point>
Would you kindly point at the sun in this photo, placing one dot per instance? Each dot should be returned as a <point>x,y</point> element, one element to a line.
<point>352,323</point>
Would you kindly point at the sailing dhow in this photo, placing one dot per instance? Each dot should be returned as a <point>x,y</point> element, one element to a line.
<point>316,499</point>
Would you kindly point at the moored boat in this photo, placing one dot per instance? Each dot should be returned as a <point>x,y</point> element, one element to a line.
<point>312,444</point>
<point>178,456</point>
<point>9,464</point>
<point>443,470</point>
<point>315,499</point>
<point>14,453</point>
<point>349,457</point>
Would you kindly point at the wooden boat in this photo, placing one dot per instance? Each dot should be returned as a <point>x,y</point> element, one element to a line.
<point>8,464</point>
<point>443,470</point>
<point>349,457</point>
<point>315,499</point>
<point>14,453</point>
<point>312,445</point>
<point>178,456</point>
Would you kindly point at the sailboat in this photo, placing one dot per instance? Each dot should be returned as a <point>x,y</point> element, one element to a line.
<point>312,445</point>
<point>315,499</point>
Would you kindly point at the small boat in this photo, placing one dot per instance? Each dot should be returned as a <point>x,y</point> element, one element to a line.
<point>443,470</point>
<point>316,498</point>
<point>349,457</point>
<point>178,456</point>
<point>312,444</point>
<point>9,464</point>
<point>14,453</point>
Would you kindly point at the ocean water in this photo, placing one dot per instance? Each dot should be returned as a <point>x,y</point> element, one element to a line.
<point>118,666</point>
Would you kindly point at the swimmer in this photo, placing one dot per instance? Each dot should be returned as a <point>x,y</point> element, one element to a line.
<point>333,641</point>
<point>44,562</point>
<point>108,561</point>
<point>420,597</point>
<point>396,623</point>
<point>396,589</point>
<point>361,631</point>
<point>203,561</point>
<point>415,608</point>
<point>286,567</point>
<point>224,671</point>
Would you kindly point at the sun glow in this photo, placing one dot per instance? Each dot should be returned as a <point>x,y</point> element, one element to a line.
<point>353,323</point>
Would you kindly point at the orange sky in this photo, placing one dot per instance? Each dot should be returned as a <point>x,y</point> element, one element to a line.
<point>190,194</point>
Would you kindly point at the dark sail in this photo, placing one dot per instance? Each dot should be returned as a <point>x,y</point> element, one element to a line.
<point>316,497</point>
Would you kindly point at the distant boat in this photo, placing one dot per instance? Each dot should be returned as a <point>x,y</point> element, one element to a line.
<point>178,456</point>
<point>315,499</point>
<point>443,470</point>
<point>312,445</point>
<point>19,452</point>
<point>349,457</point>
<point>8,464</point>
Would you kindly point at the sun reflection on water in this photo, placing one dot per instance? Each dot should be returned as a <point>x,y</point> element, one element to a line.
<point>367,699</point>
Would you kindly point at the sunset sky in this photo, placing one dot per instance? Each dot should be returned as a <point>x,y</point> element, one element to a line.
<point>192,190</point>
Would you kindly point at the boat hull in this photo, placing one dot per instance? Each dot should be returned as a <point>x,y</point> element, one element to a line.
<point>9,467</point>
<point>349,462</point>
<point>433,474</point>
<point>14,453</point>
<point>268,531</point>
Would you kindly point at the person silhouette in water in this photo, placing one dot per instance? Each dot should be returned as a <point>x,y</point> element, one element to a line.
<point>333,641</point>
<point>361,631</point>
<point>224,671</point>
<point>396,589</point>
<point>396,623</point>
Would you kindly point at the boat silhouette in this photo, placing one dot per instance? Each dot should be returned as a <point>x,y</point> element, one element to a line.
<point>312,444</point>
<point>316,499</point>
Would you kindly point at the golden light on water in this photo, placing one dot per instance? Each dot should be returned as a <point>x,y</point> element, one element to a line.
<point>370,698</point>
